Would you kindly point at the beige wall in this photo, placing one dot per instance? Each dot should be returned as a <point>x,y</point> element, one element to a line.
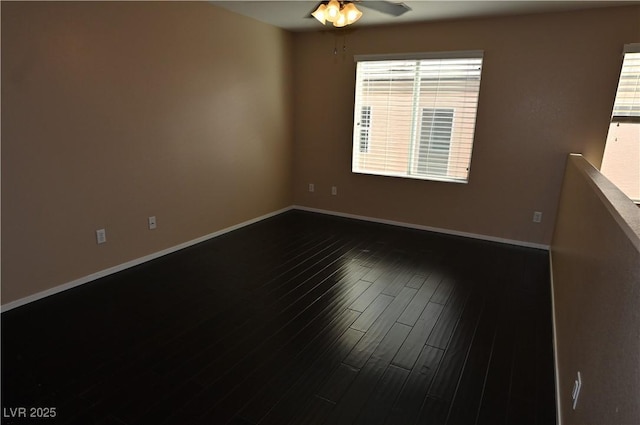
<point>112,112</point>
<point>116,111</point>
<point>547,89</point>
<point>621,161</point>
<point>596,272</point>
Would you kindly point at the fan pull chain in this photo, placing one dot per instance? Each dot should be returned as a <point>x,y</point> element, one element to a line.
<point>344,47</point>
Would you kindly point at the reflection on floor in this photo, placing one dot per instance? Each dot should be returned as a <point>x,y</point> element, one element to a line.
<point>299,319</point>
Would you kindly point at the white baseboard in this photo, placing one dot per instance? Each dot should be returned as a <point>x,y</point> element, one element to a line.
<point>111,270</point>
<point>427,228</point>
<point>555,343</point>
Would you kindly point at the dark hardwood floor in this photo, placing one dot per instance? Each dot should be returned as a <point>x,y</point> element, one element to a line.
<point>299,319</point>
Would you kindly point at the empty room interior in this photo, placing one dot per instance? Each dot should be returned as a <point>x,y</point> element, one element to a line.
<point>193,231</point>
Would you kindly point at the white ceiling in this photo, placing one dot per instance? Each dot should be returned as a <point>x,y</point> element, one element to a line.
<point>293,14</point>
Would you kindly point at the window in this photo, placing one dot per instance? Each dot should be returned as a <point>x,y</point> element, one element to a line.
<point>420,115</point>
<point>621,161</point>
<point>365,124</point>
<point>435,141</point>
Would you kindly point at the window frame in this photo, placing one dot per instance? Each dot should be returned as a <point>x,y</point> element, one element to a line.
<point>633,115</point>
<point>465,70</point>
<point>620,158</point>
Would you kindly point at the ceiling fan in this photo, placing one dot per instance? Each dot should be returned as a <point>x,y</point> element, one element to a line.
<point>345,12</point>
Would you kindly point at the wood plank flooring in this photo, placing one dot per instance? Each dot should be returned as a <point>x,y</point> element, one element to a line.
<point>299,319</point>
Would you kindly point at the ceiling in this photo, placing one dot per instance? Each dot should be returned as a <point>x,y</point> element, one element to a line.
<point>293,15</point>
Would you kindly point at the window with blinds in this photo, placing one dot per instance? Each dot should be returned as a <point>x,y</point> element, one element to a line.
<point>421,115</point>
<point>621,160</point>
<point>627,104</point>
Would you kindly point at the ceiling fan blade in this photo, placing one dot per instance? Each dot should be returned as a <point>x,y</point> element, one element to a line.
<point>390,8</point>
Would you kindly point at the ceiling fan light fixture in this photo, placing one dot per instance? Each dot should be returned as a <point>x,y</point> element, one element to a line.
<point>320,13</point>
<point>340,13</point>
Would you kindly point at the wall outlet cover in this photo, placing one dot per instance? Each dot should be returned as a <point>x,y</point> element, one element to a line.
<point>101,236</point>
<point>537,217</point>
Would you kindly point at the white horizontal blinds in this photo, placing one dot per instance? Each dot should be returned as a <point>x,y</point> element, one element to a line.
<point>423,113</point>
<point>365,124</point>
<point>627,104</point>
<point>434,147</point>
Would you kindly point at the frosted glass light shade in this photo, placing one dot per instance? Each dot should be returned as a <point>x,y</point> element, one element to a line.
<point>351,12</point>
<point>319,14</point>
<point>332,12</point>
<point>341,21</point>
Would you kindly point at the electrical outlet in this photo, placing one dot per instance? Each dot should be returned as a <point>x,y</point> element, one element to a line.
<point>152,222</point>
<point>334,190</point>
<point>537,217</point>
<point>312,187</point>
<point>101,236</point>
<point>577,384</point>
